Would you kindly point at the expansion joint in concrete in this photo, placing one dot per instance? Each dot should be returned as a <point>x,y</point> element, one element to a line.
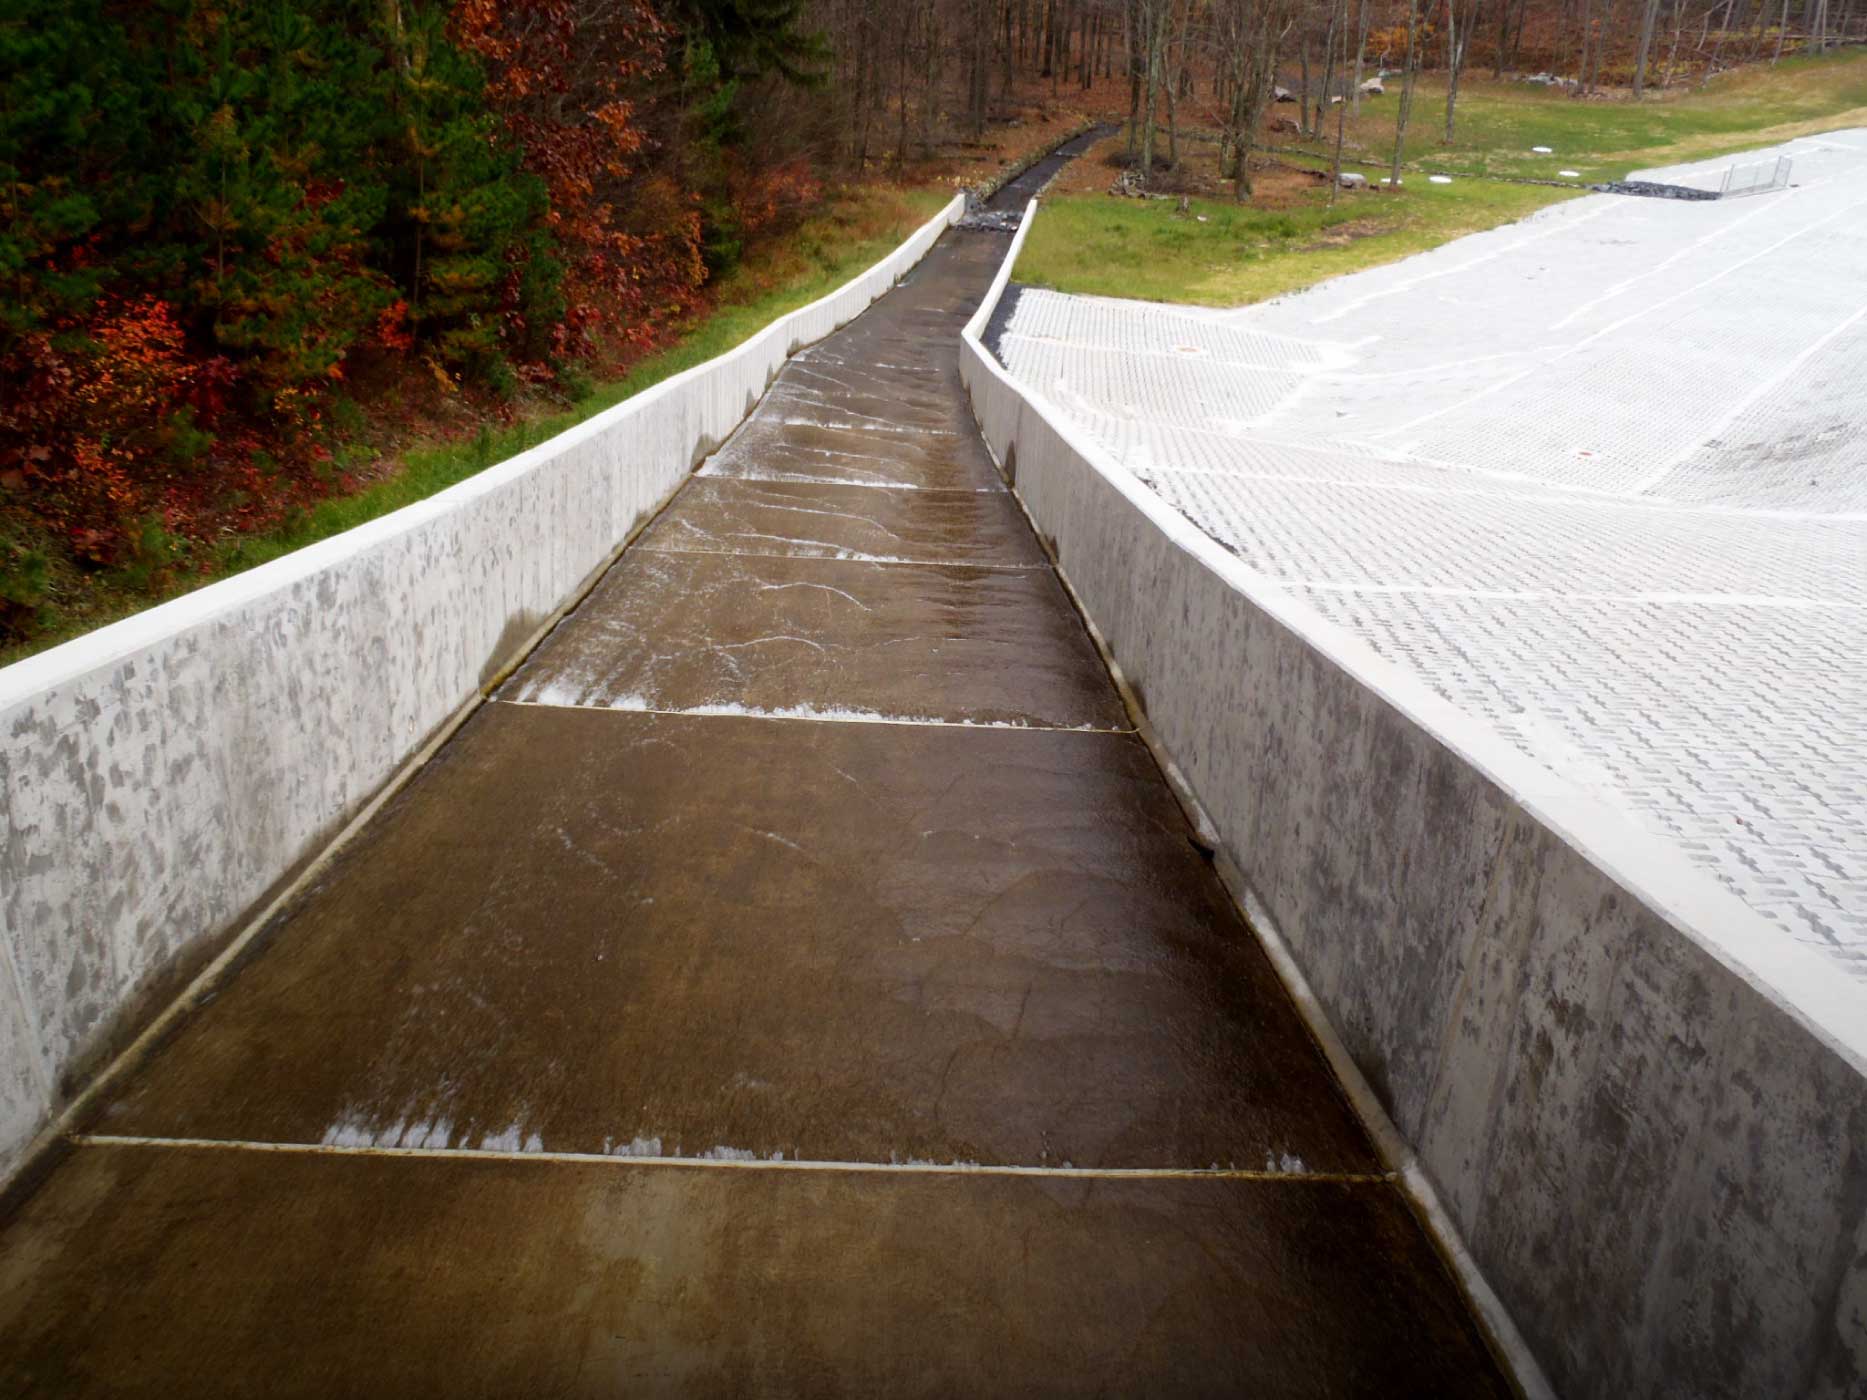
<point>827,717</point>
<point>462,1155</point>
<point>876,561</point>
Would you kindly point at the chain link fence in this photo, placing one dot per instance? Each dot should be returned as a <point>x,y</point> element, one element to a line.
<point>1758,178</point>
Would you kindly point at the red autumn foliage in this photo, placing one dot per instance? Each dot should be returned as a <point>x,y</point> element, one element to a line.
<point>561,78</point>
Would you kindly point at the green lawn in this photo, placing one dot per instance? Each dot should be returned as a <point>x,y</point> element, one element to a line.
<point>1147,249</point>
<point>1240,254</point>
<point>853,234</point>
<point>1498,123</point>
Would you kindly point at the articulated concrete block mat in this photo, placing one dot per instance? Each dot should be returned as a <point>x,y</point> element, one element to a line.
<point>313,1276</point>
<point>1598,478</point>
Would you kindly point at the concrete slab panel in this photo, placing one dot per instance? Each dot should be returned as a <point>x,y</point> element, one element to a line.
<point>822,448</point>
<point>821,636</point>
<point>812,520</point>
<point>669,935</point>
<point>822,385</point>
<point>879,402</point>
<point>474,1277</point>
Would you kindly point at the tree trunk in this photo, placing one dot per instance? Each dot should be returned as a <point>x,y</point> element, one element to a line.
<point>1152,61</point>
<point>1760,24</point>
<point>901,91</point>
<point>1455,58</point>
<point>1328,67</point>
<point>1303,93</point>
<point>1361,50</point>
<point>1648,15</point>
<point>1672,54</point>
<point>1008,66</point>
<point>1341,113</point>
<point>1173,123</point>
<point>1256,29</point>
<point>1132,15</point>
<point>1406,88</point>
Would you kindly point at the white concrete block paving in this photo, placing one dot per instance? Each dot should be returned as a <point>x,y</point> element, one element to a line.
<point>1599,478</point>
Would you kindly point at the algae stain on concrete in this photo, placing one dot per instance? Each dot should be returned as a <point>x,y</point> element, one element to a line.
<point>512,637</point>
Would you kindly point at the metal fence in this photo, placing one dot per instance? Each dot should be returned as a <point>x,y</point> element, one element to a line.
<point>1759,178</point>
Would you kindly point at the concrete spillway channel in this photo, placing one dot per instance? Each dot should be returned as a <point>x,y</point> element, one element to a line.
<point>799,979</point>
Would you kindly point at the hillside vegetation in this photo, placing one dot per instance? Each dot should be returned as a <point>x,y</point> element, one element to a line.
<point>268,267</point>
<point>1219,252</point>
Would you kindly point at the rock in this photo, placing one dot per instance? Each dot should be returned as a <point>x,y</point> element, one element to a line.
<point>1286,126</point>
<point>1652,190</point>
<point>1283,94</point>
<point>1349,180</point>
<point>1128,186</point>
<point>992,220</point>
<point>1373,88</point>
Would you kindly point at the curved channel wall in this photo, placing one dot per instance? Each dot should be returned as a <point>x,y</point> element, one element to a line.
<point>165,774</point>
<point>1643,1110</point>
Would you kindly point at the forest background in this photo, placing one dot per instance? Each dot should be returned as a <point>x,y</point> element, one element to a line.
<point>271,266</point>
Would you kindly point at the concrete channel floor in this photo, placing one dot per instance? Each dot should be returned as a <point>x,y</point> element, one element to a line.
<point>798,979</point>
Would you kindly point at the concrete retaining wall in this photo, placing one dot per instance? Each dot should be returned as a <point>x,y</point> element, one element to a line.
<point>162,774</point>
<point>1643,1108</point>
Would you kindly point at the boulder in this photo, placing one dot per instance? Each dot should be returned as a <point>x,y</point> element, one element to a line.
<point>1280,93</point>
<point>1349,180</point>
<point>1373,88</point>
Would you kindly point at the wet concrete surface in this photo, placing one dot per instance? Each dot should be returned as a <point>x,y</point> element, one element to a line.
<point>292,1275</point>
<point>826,636</point>
<point>946,912</point>
<point>817,521</point>
<point>869,942</point>
<point>821,448</point>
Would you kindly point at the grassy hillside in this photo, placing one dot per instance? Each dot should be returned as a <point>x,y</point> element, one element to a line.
<point>854,231</point>
<point>1220,253</point>
<point>1224,254</point>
